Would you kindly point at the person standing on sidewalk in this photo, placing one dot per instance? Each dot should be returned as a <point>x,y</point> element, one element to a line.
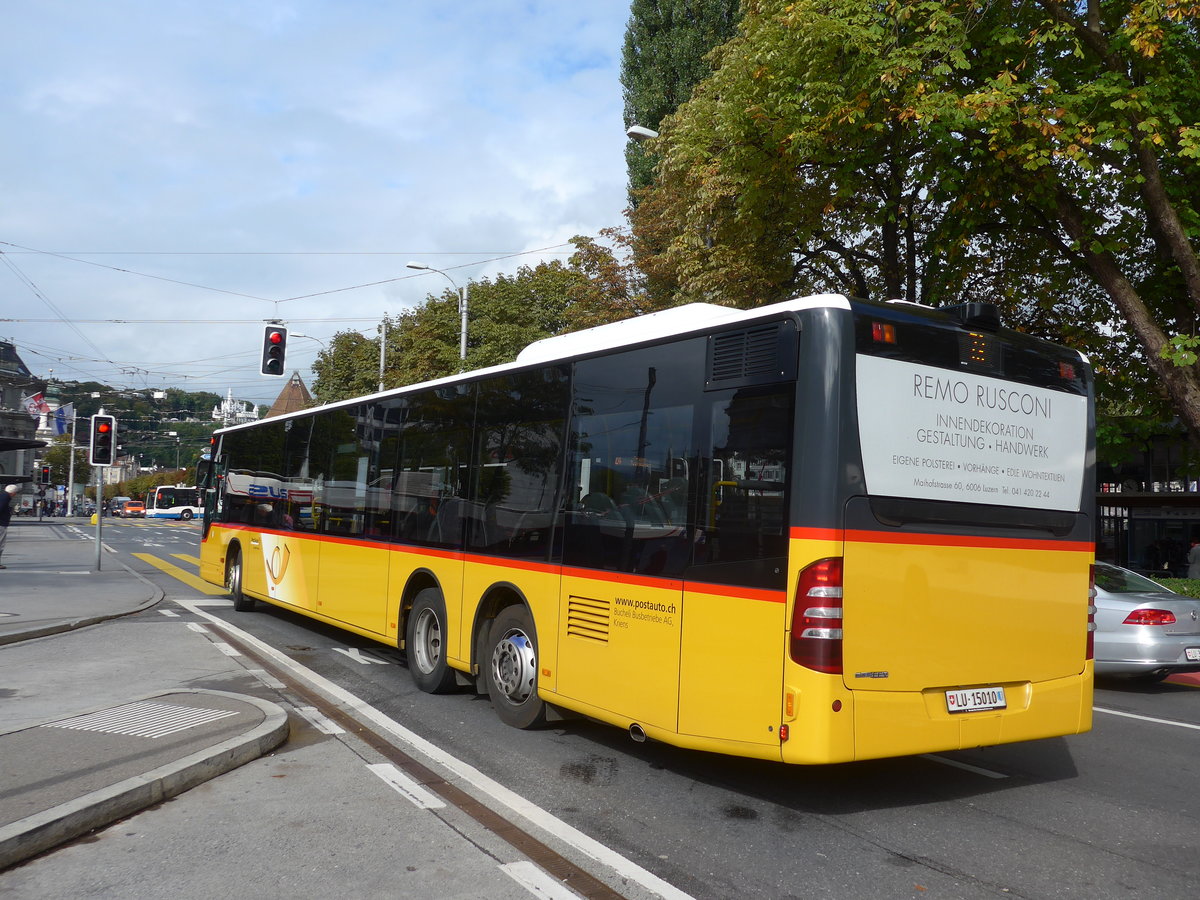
<point>5,516</point>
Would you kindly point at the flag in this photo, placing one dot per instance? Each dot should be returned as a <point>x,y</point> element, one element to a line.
<point>64,416</point>
<point>35,405</point>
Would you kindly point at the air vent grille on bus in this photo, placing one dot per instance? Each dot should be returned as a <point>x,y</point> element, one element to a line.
<point>589,619</point>
<point>758,355</point>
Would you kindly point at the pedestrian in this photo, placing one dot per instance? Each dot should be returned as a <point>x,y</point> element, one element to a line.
<point>6,497</point>
<point>1193,559</point>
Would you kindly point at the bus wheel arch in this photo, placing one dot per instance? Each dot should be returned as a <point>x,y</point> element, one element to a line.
<point>510,666</point>
<point>234,572</point>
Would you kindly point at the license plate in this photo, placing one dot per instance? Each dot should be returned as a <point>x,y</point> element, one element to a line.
<point>1193,654</point>
<point>975,699</point>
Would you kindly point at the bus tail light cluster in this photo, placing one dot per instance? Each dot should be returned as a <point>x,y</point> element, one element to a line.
<point>1091,638</point>
<point>816,641</point>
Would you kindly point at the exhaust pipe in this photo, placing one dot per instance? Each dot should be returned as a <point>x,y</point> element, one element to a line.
<point>635,732</point>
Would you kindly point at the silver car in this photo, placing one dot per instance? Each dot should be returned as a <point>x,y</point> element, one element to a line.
<point>1143,630</point>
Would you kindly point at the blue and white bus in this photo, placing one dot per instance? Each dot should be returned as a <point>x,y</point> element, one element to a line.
<point>173,502</point>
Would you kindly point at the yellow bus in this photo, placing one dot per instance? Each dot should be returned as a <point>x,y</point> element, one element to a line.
<point>817,531</point>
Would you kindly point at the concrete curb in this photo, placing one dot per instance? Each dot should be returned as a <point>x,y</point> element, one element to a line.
<point>43,831</point>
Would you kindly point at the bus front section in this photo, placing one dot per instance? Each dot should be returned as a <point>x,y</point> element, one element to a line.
<point>942,537</point>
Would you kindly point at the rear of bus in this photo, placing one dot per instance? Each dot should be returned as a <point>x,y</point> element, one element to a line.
<point>941,567</point>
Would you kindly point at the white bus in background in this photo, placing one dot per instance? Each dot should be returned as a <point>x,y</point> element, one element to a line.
<point>173,502</point>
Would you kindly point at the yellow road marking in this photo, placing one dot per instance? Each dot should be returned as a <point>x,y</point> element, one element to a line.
<point>192,581</point>
<point>194,560</point>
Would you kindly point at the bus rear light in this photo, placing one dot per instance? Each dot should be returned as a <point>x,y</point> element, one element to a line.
<point>816,633</point>
<point>883,333</point>
<point>1091,627</point>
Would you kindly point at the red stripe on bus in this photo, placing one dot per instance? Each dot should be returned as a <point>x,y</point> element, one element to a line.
<point>964,540</point>
<point>626,578</point>
<point>939,540</point>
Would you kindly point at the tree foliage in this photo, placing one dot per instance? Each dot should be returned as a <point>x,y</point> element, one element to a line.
<point>1038,154</point>
<point>662,59</point>
<point>504,316</point>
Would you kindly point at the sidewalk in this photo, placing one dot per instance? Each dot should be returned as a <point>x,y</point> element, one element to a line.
<point>104,723</point>
<point>86,764</point>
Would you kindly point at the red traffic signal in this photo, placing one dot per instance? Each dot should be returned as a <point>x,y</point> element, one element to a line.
<point>45,475</point>
<point>104,441</point>
<point>274,351</point>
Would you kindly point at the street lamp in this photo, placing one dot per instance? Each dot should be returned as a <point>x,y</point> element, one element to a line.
<point>640,133</point>
<point>462,306</point>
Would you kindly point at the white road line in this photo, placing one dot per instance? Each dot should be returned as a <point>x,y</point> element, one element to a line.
<point>318,719</point>
<point>966,767</point>
<point>538,882</point>
<point>168,612</point>
<point>227,649</point>
<point>406,787</point>
<point>518,805</point>
<point>1114,712</point>
<point>196,626</point>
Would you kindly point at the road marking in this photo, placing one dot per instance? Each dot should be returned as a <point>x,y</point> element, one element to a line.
<point>406,787</point>
<point>267,679</point>
<point>168,612</point>
<point>192,581</point>
<point>966,767</point>
<point>196,626</point>
<point>367,659</point>
<point>194,560</point>
<point>319,720</point>
<point>1115,712</point>
<point>514,802</point>
<point>227,649</point>
<point>537,882</point>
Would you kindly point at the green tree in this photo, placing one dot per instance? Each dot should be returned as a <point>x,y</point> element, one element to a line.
<point>505,315</point>
<point>663,57</point>
<point>58,457</point>
<point>1041,155</point>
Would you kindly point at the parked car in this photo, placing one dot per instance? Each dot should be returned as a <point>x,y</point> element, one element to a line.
<point>134,509</point>
<point>1143,630</point>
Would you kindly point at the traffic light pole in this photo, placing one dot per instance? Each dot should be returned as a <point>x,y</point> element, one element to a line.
<point>99,514</point>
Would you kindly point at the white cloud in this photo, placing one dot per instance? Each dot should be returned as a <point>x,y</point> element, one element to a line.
<point>239,146</point>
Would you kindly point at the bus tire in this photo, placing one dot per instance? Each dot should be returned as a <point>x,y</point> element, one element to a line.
<point>425,643</point>
<point>233,581</point>
<point>185,515</point>
<point>511,669</point>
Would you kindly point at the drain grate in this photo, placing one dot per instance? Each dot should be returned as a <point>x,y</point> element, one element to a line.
<point>143,719</point>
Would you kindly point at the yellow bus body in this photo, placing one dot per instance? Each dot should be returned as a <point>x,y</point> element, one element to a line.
<point>707,667</point>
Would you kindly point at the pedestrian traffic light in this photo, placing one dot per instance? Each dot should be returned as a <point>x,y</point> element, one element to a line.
<point>45,475</point>
<point>104,441</point>
<point>274,350</point>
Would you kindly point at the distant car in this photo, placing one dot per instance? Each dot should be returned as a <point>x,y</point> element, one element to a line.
<point>134,509</point>
<point>1143,630</point>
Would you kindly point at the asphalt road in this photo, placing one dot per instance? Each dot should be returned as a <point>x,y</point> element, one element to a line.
<point>1112,813</point>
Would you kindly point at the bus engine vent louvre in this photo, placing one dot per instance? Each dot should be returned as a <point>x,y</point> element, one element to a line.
<point>588,619</point>
<point>764,354</point>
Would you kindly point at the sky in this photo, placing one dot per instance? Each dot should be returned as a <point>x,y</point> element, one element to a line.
<point>173,174</point>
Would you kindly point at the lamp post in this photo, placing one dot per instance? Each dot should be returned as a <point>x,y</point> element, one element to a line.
<point>462,306</point>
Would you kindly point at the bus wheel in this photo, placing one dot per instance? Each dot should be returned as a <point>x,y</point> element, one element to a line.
<point>185,515</point>
<point>425,643</point>
<point>512,669</point>
<point>233,582</point>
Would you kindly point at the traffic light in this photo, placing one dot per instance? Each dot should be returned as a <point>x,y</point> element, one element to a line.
<point>274,350</point>
<point>104,441</point>
<point>45,475</point>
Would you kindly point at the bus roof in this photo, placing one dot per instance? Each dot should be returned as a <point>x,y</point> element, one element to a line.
<point>677,321</point>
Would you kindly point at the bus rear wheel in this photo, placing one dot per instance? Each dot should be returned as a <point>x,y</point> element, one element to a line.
<point>185,515</point>
<point>511,669</point>
<point>233,582</point>
<point>425,643</point>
